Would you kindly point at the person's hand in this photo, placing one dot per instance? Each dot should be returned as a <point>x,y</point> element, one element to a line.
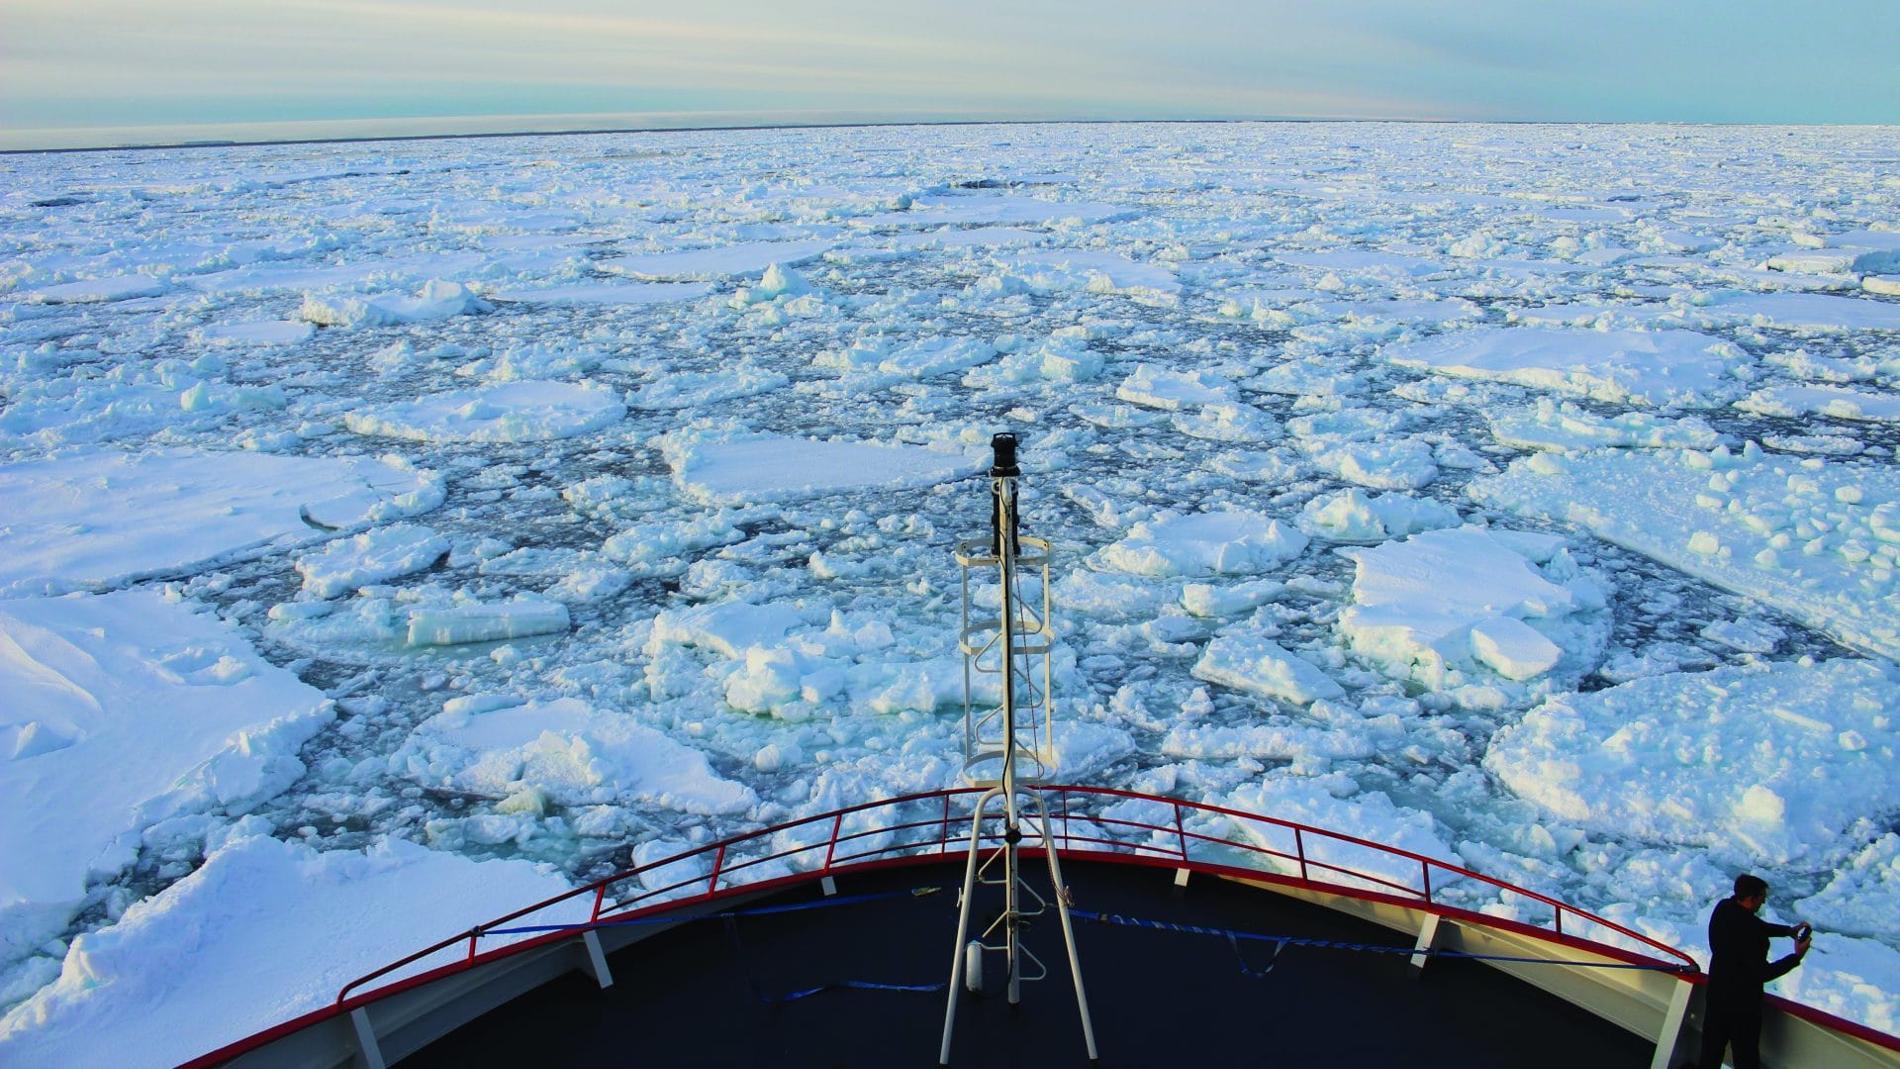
<point>1802,942</point>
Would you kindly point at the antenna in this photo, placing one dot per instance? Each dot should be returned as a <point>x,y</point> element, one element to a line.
<point>1008,743</point>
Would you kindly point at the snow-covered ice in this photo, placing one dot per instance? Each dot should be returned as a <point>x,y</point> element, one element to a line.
<point>97,519</point>
<point>648,450</point>
<point>1770,764</point>
<point>744,470</point>
<point>122,710</point>
<point>1440,604</point>
<point>523,411</point>
<point>1671,367</point>
<point>222,938</point>
<point>1818,541</point>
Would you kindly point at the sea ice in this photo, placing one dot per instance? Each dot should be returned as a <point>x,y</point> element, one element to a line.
<point>1234,542</point>
<point>257,333</point>
<point>371,557</point>
<point>1245,660</point>
<point>1567,428</point>
<point>1351,516</point>
<point>1818,541</point>
<point>528,411</point>
<point>1768,765</point>
<point>204,963</point>
<point>1836,401</point>
<point>122,710</point>
<point>753,470</point>
<point>90,520</point>
<point>1158,387</point>
<point>1333,801</point>
<point>581,294</point>
<point>1440,604</point>
<point>572,752</point>
<point>724,261</point>
<point>1660,367</point>
<point>437,300</point>
<point>1819,312</point>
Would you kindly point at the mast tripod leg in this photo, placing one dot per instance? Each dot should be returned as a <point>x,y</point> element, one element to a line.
<point>1068,928</point>
<point>963,922</point>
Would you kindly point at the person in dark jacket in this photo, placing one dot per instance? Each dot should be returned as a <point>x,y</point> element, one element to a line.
<point>1738,967</point>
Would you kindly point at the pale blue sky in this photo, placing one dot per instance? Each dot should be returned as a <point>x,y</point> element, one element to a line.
<point>109,71</point>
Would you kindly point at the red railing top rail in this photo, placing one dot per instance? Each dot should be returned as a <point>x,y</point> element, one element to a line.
<point>934,810</point>
<point>949,831</point>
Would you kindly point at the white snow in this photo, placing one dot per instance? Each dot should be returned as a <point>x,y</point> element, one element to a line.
<point>1818,541</point>
<point>1246,661</point>
<point>572,752</point>
<point>742,258</point>
<point>1664,367</point>
<point>1228,542</point>
<point>1768,766</point>
<point>1836,401</point>
<point>525,411</point>
<point>257,332</point>
<point>203,964</point>
<point>751,470</point>
<point>98,519</point>
<point>581,294</point>
<point>371,557</point>
<point>123,710</point>
<point>1441,603</point>
<point>436,300</point>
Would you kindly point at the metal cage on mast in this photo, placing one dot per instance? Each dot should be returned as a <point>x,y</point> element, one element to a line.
<point>1008,747</point>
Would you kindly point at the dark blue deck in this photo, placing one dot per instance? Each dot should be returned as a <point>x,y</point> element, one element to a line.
<point>703,994</point>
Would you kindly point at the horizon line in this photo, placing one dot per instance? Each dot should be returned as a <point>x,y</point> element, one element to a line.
<point>767,124</point>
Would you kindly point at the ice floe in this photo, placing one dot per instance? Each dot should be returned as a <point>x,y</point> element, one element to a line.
<point>1818,541</point>
<point>1767,766</point>
<point>1455,606</point>
<point>1233,542</point>
<point>742,258</point>
<point>526,411</point>
<point>753,470</point>
<point>436,300</point>
<point>201,965</point>
<point>1664,367</point>
<point>1352,516</point>
<point>371,557</point>
<point>122,710</point>
<point>569,751</point>
<point>92,520</point>
<point>1836,401</point>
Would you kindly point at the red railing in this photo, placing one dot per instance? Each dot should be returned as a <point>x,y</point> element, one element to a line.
<point>1083,823</point>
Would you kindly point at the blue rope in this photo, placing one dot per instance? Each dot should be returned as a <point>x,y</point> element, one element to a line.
<point>1285,941</point>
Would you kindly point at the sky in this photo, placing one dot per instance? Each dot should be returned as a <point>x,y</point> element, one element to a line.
<point>95,72</point>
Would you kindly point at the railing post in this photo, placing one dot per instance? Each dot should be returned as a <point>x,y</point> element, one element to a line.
<point>600,894</point>
<point>943,834</point>
<point>1180,835</point>
<point>831,851</point>
<point>1425,867</point>
<point>1558,921</point>
<point>719,860</point>
<point>1299,847</point>
<point>473,934</point>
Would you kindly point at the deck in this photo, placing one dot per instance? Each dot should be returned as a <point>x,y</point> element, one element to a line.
<point>706,993</point>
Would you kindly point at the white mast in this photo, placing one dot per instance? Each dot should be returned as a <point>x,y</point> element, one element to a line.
<point>1008,748</point>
